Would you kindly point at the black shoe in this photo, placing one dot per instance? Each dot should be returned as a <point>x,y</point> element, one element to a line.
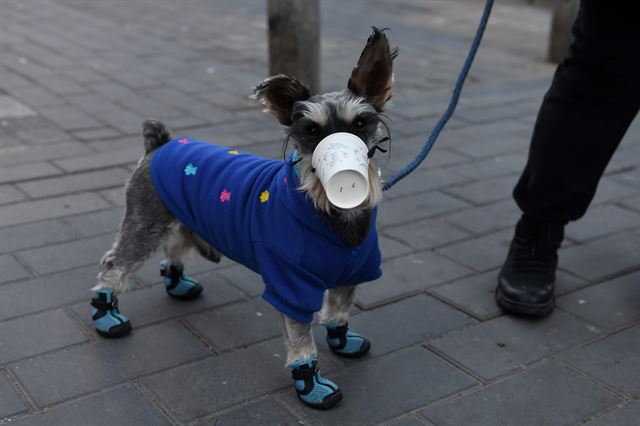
<point>527,279</point>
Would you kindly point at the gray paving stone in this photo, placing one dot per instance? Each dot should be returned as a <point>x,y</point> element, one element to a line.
<point>427,233</point>
<point>408,421</point>
<point>631,202</point>
<point>407,209</point>
<point>500,165</point>
<point>56,258</point>
<point>53,291</point>
<point>36,334</point>
<point>36,97</point>
<point>153,305</point>
<point>492,113</point>
<point>11,108</point>
<point>244,278</point>
<point>23,154</point>
<point>492,217</point>
<point>100,222</point>
<point>124,406</point>
<point>408,275</point>
<point>10,174</point>
<point>475,294</point>
<point>600,221</point>
<point>50,208</point>
<point>54,377</point>
<point>367,399</point>
<point>119,154</point>
<point>613,361</point>
<point>485,191</point>
<point>392,248</point>
<point>545,395</point>
<point>21,237</point>
<point>115,196</point>
<point>92,135</point>
<point>10,194</point>
<point>11,269</point>
<point>70,118</point>
<point>76,183</point>
<point>10,402</point>
<point>424,179</point>
<point>610,189</point>
<point>506,344</point>
<point>481,253</point>
<point>237,325</point>
<point>266,412</point>
<point>603,257</point>
<point>404,323</point>
<point>609,305</point>
<point>624,416</point>
<point>219,382</point>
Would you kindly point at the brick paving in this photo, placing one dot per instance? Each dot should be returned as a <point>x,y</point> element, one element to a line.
<point>77,79</point>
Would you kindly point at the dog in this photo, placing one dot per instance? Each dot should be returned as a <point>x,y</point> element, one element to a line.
<point>272,216</point>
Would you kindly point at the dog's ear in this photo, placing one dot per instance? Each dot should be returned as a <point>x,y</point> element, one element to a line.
<point>372,77</point>
<point>279,93</point>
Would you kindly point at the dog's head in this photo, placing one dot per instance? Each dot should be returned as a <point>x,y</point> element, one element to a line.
<point>356,110</point>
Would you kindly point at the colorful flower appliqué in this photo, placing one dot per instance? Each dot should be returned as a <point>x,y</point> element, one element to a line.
<point>183,140</point>
<point>284,179</point>
<point>225,196</point>
<point>264,197</point>
<point>190,170</point>
<point>234,152</point>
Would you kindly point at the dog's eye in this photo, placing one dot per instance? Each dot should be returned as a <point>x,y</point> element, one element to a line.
<point>313,129</point>
<point>358,124</point>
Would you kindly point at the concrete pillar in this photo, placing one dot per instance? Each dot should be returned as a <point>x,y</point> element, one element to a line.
<point>294,40</point>
<point>564,15</point>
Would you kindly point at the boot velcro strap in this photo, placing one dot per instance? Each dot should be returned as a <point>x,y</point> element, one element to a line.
<point>104,306</point>
<point>305,374</point>
<point>339,333</point>
<point>174,273</point>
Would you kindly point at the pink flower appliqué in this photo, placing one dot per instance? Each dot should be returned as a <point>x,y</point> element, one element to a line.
<point>284,180</point>
<point>225,196</point>
<point>183,140</point>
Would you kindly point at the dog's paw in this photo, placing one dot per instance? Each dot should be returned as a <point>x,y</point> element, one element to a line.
<point>107,319</point>
<point>312,389</point>
<point>177,283</point>
<point>345,343</point>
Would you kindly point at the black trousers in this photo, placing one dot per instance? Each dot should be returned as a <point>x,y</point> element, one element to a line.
<point>593,99</point>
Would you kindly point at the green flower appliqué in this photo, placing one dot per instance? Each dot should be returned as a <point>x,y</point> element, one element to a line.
<point>190,170</point>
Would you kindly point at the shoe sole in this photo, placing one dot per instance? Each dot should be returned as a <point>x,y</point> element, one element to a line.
<point>516,307</point>
<point>360,353</point>
<point>118,331</point>
<point>329,401</point>
<point>193,293</point>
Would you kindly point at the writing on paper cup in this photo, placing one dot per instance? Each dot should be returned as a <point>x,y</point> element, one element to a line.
<point>341,163</point>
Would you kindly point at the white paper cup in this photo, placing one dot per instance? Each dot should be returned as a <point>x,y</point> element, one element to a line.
<point>342,165</point>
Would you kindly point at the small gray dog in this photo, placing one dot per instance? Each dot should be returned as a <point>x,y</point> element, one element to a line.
<point>272,216</point>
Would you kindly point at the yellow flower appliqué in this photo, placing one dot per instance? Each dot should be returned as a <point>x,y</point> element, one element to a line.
<point>264,197</point>
<point>234,152</point>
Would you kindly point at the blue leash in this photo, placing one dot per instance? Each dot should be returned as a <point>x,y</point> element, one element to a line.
<point>402,173</point>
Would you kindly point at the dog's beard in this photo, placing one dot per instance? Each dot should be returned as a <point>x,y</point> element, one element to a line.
<point>311,185</point>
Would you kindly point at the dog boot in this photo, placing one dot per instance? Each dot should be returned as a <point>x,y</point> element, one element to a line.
<point>177,283</point>
<point>313,389</point>
<point>108,320</point>
<point>345,343</point>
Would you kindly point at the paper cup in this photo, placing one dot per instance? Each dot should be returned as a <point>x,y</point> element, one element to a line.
<point>342,165</point>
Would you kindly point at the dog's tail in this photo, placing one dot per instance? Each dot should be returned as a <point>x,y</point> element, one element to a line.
<point>155,134</point>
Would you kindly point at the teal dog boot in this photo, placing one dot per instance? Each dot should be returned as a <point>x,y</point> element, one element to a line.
<point>177,284</point>
<point>345,343</point>
<point>313,389</point>
<point>107,319</point>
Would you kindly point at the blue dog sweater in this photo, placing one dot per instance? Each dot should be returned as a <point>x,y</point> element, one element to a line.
<point>249,208</point>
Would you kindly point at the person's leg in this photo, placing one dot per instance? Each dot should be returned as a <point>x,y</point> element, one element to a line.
<point>594,97</point>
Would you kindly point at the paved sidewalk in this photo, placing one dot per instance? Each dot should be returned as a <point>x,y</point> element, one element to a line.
<point>76,80</point>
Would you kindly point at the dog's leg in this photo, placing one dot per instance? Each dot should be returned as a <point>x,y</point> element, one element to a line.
<point>311,387</point>
<point>145,224</point>
<point>178,284</point>
<point>334,316</point>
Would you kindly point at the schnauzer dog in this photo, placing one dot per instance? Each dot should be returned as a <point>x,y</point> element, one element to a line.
<point>271,216</point>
